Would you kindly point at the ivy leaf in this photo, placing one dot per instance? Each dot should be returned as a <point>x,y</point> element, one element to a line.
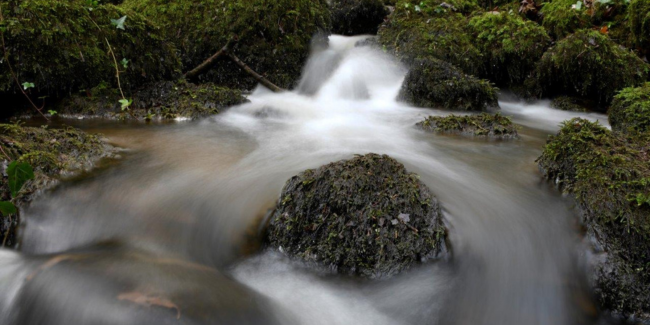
<point>7,208</point>
<point>27,85</point>
<point>125,103</point>
<point>19,173</point>
<point>119,23</point>
<point>52,112</point>
<point>125,63</point>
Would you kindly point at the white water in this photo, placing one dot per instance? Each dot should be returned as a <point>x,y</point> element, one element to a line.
<point>189,193</point>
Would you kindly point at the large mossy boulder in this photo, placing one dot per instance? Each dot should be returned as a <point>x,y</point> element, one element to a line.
<point>510,46</point>
<point>161,100</point>
<point>494,126</point>
<point>432,29</point>
<point>365,216</point>
<point>609,175</point>
<point>437,84</point>
<point>639,18</point>
<point>630,110</point>
<point>357,17</point>
<point>271,37</point>
<point>587,64</point>
<point>63,46</point>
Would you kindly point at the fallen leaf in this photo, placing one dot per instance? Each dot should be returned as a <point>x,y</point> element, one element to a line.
<point>604,30</point>
<point>144,300</point>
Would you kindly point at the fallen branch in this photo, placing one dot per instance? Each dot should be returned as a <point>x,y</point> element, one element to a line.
<point>268,84</point>
<point>11,70</point>
<point>207,63</point>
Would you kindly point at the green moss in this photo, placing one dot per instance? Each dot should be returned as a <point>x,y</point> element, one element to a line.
<point>562,17</point>
<point>567,103</point>
<point>165,99</point>
<point>480,125</point>
<point>61,47</point>
<point>273,36</point>
<point>587,64</point>
<point>609,175</point>
<point>639,18</point>
<point>432,31</point>
<point>630,110</point>
<point>438,84</point>
<point>357,17</point>
<point>366,216</point>
<point>510,46</point>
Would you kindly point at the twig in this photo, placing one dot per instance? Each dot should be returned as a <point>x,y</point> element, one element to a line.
<point>4,153</point>
<point>11,70</point>
<point>207,63</point>
<point>258,77</point>
<point>117,67</point>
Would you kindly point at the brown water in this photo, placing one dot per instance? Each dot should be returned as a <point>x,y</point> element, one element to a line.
<point>166,235</point>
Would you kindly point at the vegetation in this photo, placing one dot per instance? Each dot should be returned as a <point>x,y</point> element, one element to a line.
<point>567,103</point>
<point>438,84</point>
<point>58,47</point>
<point>630,111</point>
<point>272,37</point>
<point>589,65</point>
<point>480,125</point>
<point>161,100</point>
<point>366,216</point>
<point>564,17</point>
<point>639,18</point>
<point>509,45</point>
<point>357,17</point>
<point>609,174</point>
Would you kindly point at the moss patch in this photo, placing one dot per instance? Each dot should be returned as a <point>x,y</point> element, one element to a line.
<point>161,100</point>
<point>630,111</point>
<point>273,35</point>
<point>438,84</point>
<point>609,175</point>
<point>481,125</point>
<point>562,17</point>
<point>587,64</point>
<point>639,18</point>
<point>366,216</point>
<point>357,17</point>
<point>60,46</point>
<point>510,46</point>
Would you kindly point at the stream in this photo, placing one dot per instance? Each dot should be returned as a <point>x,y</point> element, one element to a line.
<point>168,234</point>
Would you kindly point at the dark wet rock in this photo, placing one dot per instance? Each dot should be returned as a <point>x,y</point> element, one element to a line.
<point>366,216</point>
<point>482,125</point>
<point>61,47</point>
<point>588,65</point>
<point>630,110</point>
<point>271,37</point>
<point>161,100</point>
<point>438,84</point>
<point>608,173</point>
<point>567,103</point>
<point>52,153</point>
<point>357,17</point>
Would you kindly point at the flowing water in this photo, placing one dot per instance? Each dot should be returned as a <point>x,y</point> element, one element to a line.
<point>168,233</point>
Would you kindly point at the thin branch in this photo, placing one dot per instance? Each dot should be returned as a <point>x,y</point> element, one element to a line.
<point>117,67</point>
<point>4,153</point>
<point>207,63</point>
<point>13,74</point>
<point>258,77</point>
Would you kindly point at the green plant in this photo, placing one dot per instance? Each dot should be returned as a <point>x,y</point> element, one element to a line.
<point>18,173</point>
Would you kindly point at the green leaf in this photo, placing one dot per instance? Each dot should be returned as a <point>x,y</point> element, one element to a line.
<point>578,5</point>
<point>125,103</point>
<point>27,85</point>
<point>52,112</point>
<point>125,63</point>
<point>19,173</point>
<point>119,23</point>
<point>7,208</point>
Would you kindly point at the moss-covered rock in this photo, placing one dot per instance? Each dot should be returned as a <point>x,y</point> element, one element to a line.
<point>639,18</point>
<point>563,17</point>
<point>609,175</point>
<point>630,111</point>
<point>432,29</point>
<point>481,125</point>
<point>52,153</point>
<point>510,46</point>
<point>357,17</point>
<point>270,36</point>
<point>366,216</point>
<point>161,100</point>
<point>567,103</point>
<point>438,84</point>
<point>61,46</point>
<point>587,64</point>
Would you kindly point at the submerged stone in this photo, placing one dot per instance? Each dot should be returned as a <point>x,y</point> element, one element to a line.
<point>482,125</point>
<point>438,84</point>
<point>365,216</point>
<point>357,17</point>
